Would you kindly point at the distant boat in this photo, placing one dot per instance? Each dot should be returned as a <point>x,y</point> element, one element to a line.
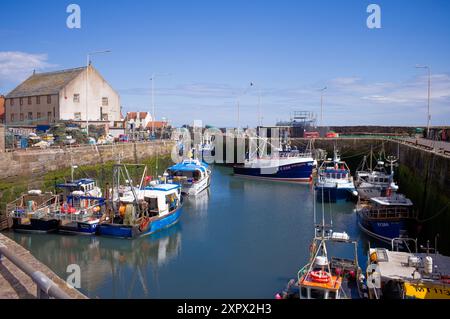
<point>334,181</point>
<point>375,182</point>
<point>286,164</point>
<point>192,175</point>
<point>136,211</point>
<point>386,218</point>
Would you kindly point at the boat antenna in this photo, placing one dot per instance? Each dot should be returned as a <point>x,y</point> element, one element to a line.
<point>314,205</point>
<point>371,155</point>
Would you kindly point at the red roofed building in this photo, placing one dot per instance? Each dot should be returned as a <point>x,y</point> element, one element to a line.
<point>137,120</point>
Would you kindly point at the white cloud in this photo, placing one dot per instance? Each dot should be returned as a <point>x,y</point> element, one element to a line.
<point>16,66</point>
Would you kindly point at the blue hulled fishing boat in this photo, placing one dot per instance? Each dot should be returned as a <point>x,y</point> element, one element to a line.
<point>335,182</point>
<point>386,218</point>
<point>142,210</point>
<point>283,164</point>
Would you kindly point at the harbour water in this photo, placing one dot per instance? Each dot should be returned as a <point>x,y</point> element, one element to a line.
<point>241,238</point>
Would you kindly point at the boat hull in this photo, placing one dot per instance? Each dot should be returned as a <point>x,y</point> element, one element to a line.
<point>298,172</point>
<point>384,229</point>
<point>133,231</point>
<point>333,194</point>
<point>196,188</point>
<point>35,225</point>
<point>82,228</point>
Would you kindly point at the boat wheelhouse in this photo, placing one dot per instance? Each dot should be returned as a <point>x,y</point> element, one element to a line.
<point>192,175</point>
<point>334,181</point>
<point>84,187</point>
<point>150,208</point>
<point>375,182</point>
<point>385,218</point>
<point>284,164</point>
<point>31,212</point>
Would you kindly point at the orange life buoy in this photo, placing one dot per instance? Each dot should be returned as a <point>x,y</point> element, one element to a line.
<point>320,276</point>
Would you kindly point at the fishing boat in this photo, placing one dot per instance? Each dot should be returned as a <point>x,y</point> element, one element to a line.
<point>338,277</point>
<point>136,211</point>
<point>81,205</point>
<point>374,182</point>
<point>191,174</point>
<point>385,218</point>
<point>284,163</point>
<point>334,180</point>
<point>31,212</point>
<point>80,214</point>
<point>394,274</point>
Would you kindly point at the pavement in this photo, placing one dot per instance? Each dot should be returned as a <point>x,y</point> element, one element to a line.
<point>15,284</point>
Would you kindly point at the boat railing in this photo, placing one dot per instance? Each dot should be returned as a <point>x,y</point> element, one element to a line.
<point>18,208</point>
<point>46,288</point>
<point>382,213</point>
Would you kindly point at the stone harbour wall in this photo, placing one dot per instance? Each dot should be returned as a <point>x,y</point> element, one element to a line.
<point>35,163</point>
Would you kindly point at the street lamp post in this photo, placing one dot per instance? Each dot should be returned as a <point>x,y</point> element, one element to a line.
<point>321,105</point>
<point>88,63</point>
<point>429,96</point>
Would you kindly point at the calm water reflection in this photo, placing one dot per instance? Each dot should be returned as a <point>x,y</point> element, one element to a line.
<point>240,239</point>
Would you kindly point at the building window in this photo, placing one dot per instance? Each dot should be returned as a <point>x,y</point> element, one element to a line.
<point>38,100</point>
<point>21,101</point>
<point>21,117</point>
<point>29,100</point>
<point>38,116</point>
<point>49,99</point>
<point>104,101</point>
<point>76,98</point>
<point>12,117</point>
<point>11,102</point>
<point>104,117</point>
<point>77,116</point>
<point>30,115</point>
<point>49,116</point>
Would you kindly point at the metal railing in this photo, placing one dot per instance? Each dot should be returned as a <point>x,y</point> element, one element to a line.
<point>46,288</point>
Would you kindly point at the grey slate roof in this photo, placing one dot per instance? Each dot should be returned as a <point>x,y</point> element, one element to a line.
<point>45,83</point>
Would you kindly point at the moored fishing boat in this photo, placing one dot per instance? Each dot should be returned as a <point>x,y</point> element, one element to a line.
<point>334,181</point>
<point>192,175</point>
<point>375,182</point>
<point>385,218</point>
<point>142,210</point>
<point>323,278</point>
<point>31,212</point>
<point>284,164</point>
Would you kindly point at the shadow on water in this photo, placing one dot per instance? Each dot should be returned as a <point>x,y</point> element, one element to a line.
<point>241,239</point>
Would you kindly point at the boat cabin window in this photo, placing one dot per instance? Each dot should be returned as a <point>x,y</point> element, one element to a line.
<point>331,295</point>
<point>171,201</point>
<point>152,204</point>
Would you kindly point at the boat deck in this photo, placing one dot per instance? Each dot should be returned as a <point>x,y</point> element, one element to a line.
<point>394,265</point>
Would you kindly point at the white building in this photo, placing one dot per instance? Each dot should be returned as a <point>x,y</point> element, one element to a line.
<point>46,98</point>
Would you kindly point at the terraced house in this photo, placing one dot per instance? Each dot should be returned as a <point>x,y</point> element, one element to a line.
<point>47,98</point>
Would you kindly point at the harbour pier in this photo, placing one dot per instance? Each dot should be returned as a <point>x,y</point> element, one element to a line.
<point>22,276</point>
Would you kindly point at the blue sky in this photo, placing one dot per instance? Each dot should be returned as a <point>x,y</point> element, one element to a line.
<point>214,49</point>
